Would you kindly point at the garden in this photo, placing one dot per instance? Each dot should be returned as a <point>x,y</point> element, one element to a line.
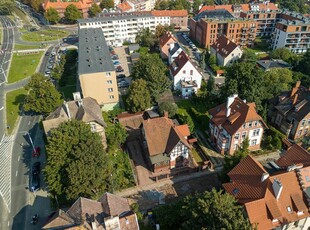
<point>44,35</point>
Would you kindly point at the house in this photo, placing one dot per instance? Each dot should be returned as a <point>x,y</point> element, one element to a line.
<point>108,213</point>
<point>96,71</point>
<point>125,7</point>
<point>279,200</point>
<point>133,48</point>
<point>178,18</point>
<point>268,65</point>
<point>234,121</point>
<point>86,110</point>
<point>134,57</point>
<point>185,75</point>
<point>225,51</point>
<point>290,112</point>
<point>60,6</point>
<point>166,143</point>
<point>164,44</point>
<point>174,50</point>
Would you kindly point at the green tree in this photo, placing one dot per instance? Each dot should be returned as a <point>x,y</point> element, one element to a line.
<point>202,60</point>
<point>145,38</point>
<point>107,4</point>
<point>116,135</point>
<point>57,72</point>
<point>169,107</point>
<point>139,98</point>
<point>43,96</point>
<point>212,60</point>
<point>247,81</point>
<point>94,10</point>
<point>295,5</point>
<point>82,170</point>
<point>196,4</point>
<point>152,69</point>
<point>6,6</point>
<point>211,84</point>
<point>248,56</point>
<point>281,53</point>
<point>185,118</point>
<point>277,81</point>
<point>36,5</point>
<point>209,2</point>
<point>161,5</point>
<point>304,64</point>
<point>72,13</point>
<point>160,30</point>
<point>52,15</point>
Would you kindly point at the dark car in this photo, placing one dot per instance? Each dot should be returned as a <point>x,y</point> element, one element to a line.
<point>35,182</point>
<point>119,69</point>
<point>120,76</point>
<point>36,167</point>
<point>36,152</point>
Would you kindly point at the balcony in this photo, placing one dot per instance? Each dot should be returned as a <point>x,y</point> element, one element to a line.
<point>188,84</point>
<point>243,39</point>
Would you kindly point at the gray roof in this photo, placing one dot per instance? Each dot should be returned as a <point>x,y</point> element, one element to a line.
<point>273,63</point>
<point>116,16</point>
<point>94,55</point>
<point>133,47</point>
<point>219,14</point>
<point>175,48</point>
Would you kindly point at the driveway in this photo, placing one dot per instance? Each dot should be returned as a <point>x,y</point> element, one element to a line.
<point>124,59</point>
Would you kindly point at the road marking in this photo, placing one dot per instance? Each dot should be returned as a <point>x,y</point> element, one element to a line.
<point>29,122</point>
<point>16,173</point>
<point>8,223</point>
<point>18,158</point>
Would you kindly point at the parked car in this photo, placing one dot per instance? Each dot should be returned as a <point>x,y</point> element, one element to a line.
<point>122,84</point>
<point>48,72</point>
<point>113,52</point>
<point>119,69</point>
<point>190,43</point>
<point>36,152</point>
<point>115,56</point>
<point>35,182</point>
<point>116,63</point>
<point>111,48</point>
<point>120,76</point>
<point>50,66</point>
<point>47,54</point>
<point>36,167</point>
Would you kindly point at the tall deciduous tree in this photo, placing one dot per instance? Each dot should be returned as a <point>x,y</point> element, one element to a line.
<point>145,38</point>
<point>52,15</point>
<point>94,10</point>
<point>72,13</point>
<point>116,135</point>
<point>6,6</point>
<point>76,164</point>
<point>169,107</point>
<point>151,68</point>
<point>106,4</point>
<point>277,81</point>
<point>248,56</point>
<point>43,96</point>
<point>139,97</point>
<point>196,4</point>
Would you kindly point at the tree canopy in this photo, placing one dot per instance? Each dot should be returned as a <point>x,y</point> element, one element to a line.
<point>94,10</point>
<point>116,135</point>
<point>72,13</point>
<point>208,210</point>
<point>277,81</point>
<point>76,164</point>
<point>172,5</point>
<point>145,38</point>
<point>169,107</point>
<point>139,98</point>
<point>43,96</point>
<point>152,69</point>
<point>6,6</point>
<point>106,4</point>
<point>294,5</point>
<point>52,15</point>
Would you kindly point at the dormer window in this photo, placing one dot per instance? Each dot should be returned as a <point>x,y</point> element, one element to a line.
<point>289,209</point>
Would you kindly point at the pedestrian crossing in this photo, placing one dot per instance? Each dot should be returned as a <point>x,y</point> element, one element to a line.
<point>5,169</point>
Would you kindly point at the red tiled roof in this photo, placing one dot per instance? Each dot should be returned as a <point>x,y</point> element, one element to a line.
<point>294,155</point>
<point>245,112</point>
<point>179,62</point>
<point>224,46</point>
<point>184,130</point>
<point>171,13</point>
<point>220,71</point>
<point>124,6</point>
<point>167,37</point>
<point>244,7</point>
<point>81,4</point>
<point>162,135</point>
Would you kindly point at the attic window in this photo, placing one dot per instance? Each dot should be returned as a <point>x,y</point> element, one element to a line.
<point>235,191</point>
<point>289,209</point>
<point>307,179</point>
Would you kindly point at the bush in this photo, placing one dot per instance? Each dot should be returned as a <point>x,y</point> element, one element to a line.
<point>185,118</point>
<point>273,139</point>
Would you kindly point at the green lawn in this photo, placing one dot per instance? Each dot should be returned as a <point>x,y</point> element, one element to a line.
<point>21,15</point>
<point>23,66</point>
<point>44,35</point>
<point>260,45</point>
<point>14,101</point>
<point>28,47</point>
<point>67,91</point>
<point>196,156</point>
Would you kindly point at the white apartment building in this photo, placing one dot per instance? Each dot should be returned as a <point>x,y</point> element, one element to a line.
<point>293,35</point>
<point>123,27</point>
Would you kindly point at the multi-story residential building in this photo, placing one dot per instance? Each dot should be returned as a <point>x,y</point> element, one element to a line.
<point>225,51</point>
<point>234,121</point>
<point>164,44</point>
<point>276,200</point>
<point>123,27</point>
<point>96,72</point>
<point>209,25</point>
<point>178,18</point>
<point>293,35</point>
<point>60,6</point>
<point>265,14</point>
<point>290,112</point>
<point>185,75</point>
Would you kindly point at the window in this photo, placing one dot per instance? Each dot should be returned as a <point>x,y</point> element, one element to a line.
<point>307,179</point>
<point>108,74</point>
<point>191,72</point>
<point>93,127</point>
<point>235,146</point>
<point>110,89</point>
<point>303,122</point>
<point>308,121</point>
<point>289,209</point>
<point>255,123</point>
<point>243,135</point>
<point>109,82</point>
<point>256,132</point>
<point>299,132</point>
<point>237,136</point>
<point>184,71</point>
<point>111,97</point>
<point>250,124</point>
<point>253,142</point>
<point>244,125</point>
<point>306,131</point>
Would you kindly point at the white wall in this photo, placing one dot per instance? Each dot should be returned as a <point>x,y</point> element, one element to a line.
<point>174,153</point>
<point>232,57</point>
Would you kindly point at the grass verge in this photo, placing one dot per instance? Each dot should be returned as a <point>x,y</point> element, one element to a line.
<point>27,47</point>
<point>44,35</point>
<point>14,102</point>
<point>21,15</point>
<point>23,66</point>
<point>196,156</point>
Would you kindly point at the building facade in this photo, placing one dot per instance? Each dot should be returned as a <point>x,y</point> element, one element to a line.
<point>234,121</point>
<point>97,76</point>
<point>164,44</point>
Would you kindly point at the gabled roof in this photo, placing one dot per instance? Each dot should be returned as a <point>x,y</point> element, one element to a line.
<point>58,4</point>
<point>59,219</point>
<point>184,130</point>
<point>171,13</point>
<point>224,46</point>
<point>124,6</point>
<point>168,37</point>
<point>179,62</point>
<point>114,205</point>
<point>162,135</point>
<point>293,156</point>
<point>273,64</point>
<point>240,112</point>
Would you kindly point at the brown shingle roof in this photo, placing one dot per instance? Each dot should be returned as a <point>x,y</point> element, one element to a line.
<point>161,135</point>
<point>179,62</point>
<point>171,13</point>
<point>167,37</point>
<point>128,221</point>
<point>114,205</point>
<point>224,46</point>
<point>59,219</point>
<point>294,155</point>
<point>184,130</point>
<point>245,113</point>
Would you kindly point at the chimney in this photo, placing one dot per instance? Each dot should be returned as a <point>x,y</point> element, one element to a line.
<point>295,98</point>
<point>67,110</point>
<point>297,84</point>
<point>264,177</point>
<point>277,188</point>
<point>230,100</point>
<point>228,41</point>
<point>294,90</point>
<point>165,114</point>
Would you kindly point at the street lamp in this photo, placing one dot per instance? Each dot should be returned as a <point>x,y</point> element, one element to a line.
<point>30,139</point>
